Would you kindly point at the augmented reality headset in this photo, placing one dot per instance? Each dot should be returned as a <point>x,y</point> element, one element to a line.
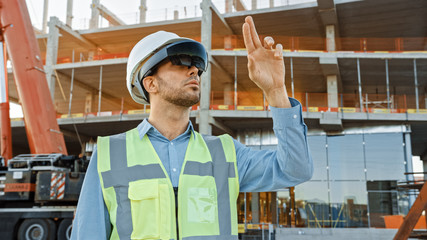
<point>187,53</point>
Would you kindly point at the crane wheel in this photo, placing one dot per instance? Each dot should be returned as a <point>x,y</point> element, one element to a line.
<point>36,229</point>
<point>64,229</point>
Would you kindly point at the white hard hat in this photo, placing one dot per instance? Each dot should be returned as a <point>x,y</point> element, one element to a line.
<point>152,50</point>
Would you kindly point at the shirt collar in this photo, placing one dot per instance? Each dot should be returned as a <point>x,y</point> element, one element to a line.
<point>145,126</point>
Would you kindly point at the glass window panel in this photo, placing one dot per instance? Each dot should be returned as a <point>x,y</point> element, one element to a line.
<point>403,198</point>
<point>253,137</point>
<point>349,204</point>
<point>241,208</point>
<point>312,202</point>
<point>268,137</point>
<point>317,146</point>
<point>382,204</point>
<point>283,208</point>
<point>345,157</point>
<point>381,185</point>
<point>384,156</point>
<point>261,207</point>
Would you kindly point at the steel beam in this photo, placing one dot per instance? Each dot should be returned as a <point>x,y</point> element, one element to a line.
<point>413,215</point>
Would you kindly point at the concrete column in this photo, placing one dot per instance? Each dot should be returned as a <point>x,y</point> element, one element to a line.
<point>228,94</point>
<point>90,56</point>
<point>255,207</point>
<point>228,6</point>
<point>408,159</point>
<point>254,3</point>
<point>330,38</point>
<point>52,54</point>
<point>387,83</point>
<point>206,32</point>
<point>417,104</point>
<point>271,3</point>
<point>100,89</point>
<point>425,168</point>
<point>175,14</point>
<point>94,19</point>
<point>88,103</point>
<point>332,83</point>
<point>359,81</point>
<point>69,20</point>
<point>274,216</point>
<point>45,13</point>
<point>143,11</point>
<point>332,90</point>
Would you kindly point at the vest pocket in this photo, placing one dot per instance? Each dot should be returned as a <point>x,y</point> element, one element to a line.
<point>145,209</point>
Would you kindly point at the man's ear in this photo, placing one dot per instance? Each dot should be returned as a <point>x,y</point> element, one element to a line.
<point>150,84</point>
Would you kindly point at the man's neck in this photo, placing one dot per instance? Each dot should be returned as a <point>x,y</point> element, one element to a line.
<point>170,120</point>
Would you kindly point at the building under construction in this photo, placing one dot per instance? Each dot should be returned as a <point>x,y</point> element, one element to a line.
<point>359,69</point>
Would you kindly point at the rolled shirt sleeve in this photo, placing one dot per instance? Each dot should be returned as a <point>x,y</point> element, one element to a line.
<point>289,165</point>
<point>92,218</point>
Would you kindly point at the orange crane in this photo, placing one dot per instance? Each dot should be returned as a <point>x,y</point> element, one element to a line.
<point>44,135</point>
<point>6,131</point>
<point>38,191</point>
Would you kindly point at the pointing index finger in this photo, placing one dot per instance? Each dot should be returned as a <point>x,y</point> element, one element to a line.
<point>247,38</point>
<point>253,32</point>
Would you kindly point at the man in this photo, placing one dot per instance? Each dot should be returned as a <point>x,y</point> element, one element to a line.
<point>163,180</point>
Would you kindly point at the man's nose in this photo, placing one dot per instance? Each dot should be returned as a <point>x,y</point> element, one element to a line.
<point>193,70</point>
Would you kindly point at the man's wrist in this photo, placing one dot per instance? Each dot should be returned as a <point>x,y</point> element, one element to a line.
<point>278,98</point>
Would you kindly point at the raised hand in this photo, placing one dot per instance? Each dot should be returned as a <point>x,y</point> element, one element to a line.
<point>266,66</point>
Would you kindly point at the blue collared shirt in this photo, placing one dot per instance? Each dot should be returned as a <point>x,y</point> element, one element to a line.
<point>258,170</point>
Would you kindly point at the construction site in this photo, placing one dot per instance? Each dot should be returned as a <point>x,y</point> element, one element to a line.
<point>358,68</point>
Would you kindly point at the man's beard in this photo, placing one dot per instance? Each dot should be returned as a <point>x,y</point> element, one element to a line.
<point>178,97</point>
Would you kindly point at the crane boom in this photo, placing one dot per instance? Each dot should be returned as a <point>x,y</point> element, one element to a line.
<point>41,125</point>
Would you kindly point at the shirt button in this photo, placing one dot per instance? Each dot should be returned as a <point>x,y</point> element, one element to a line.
<point>171,143</point>
<point>295,116</point>
<point>174,169</point>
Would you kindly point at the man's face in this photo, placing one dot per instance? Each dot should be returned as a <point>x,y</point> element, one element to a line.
<point>179,85</point>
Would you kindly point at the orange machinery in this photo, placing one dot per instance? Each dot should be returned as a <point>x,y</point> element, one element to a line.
<point>41,125</point>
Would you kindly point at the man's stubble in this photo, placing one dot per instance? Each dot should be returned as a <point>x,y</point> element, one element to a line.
<point>179,97</point>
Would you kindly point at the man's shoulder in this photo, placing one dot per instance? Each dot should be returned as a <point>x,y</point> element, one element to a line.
<point>118,136</point>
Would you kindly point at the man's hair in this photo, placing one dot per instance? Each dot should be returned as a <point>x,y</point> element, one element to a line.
<point>154,71</point>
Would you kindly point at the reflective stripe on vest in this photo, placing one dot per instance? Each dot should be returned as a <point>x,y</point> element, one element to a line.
<point>140,198</point>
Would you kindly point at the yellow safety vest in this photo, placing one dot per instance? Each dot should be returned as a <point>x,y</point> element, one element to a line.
<point>140,198</point>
